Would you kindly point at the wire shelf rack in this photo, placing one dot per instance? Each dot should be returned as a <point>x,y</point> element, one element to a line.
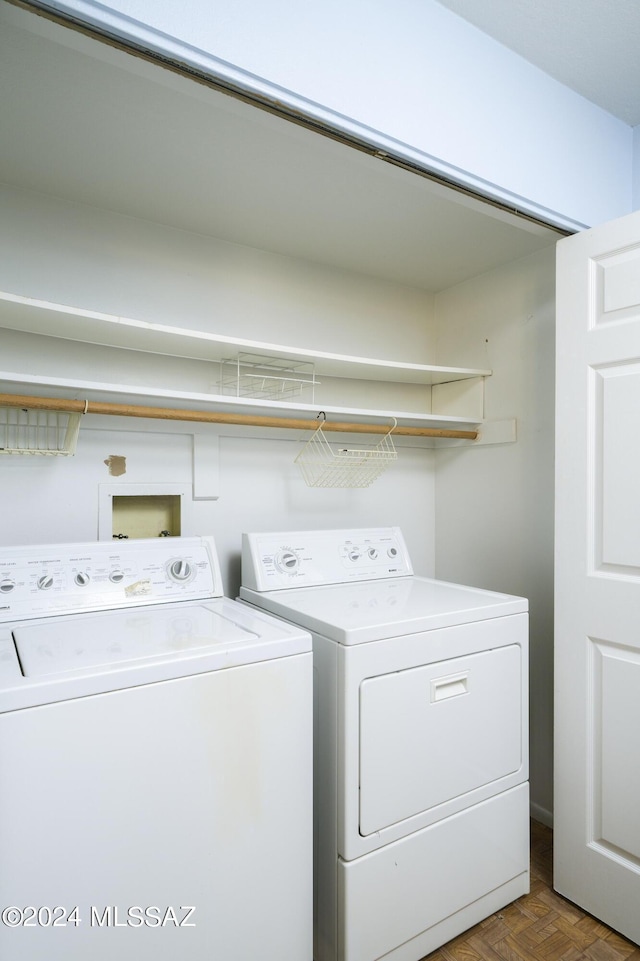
<point>322,465</point>
<point>49,432</point>
<point>266,378</point>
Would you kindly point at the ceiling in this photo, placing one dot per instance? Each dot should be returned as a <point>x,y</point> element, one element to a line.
<point>591,46</point>
<point>87,123</point>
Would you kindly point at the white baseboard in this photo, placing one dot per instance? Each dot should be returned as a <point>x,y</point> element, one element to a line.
<point>538,813</point>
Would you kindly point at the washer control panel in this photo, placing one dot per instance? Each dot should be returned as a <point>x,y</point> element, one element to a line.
<point>68,578</point>
<point>281,560</point>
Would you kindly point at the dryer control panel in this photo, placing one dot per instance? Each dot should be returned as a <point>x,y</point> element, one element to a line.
<point>51,579</point>
<point>282,560</point>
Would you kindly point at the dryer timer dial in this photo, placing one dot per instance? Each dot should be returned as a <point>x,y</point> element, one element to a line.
<point>287,561</point>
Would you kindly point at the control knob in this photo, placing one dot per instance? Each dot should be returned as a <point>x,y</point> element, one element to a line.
<point>45,582</point>
<point>287,562</point>
<point>116,576</point>
<point>180,570</point>
<point>354,555</point>
<point>82,579</point>
<point>7,585</point>
<point>373,553</point>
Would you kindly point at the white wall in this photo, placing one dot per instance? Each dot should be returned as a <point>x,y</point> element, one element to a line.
<point>408,75</point>
<point>494,505</point>
<point>73,254</point>
<point>636,168</point>
<point>56,499</point>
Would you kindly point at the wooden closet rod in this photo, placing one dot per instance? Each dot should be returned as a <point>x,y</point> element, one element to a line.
<point>218,417</point>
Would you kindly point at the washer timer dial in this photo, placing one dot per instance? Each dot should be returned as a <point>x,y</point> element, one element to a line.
<point>180,571</point>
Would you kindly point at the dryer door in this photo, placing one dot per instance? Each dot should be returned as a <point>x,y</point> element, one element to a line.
<point>438,732</point>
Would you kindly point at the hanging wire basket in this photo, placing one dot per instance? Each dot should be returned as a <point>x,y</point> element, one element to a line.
<point>49,432</point>
<point>323,466</point>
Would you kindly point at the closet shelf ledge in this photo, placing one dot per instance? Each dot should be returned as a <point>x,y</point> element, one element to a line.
<point>31,315</point>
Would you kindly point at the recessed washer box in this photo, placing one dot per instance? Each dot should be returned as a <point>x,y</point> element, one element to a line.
<point>133,511</point>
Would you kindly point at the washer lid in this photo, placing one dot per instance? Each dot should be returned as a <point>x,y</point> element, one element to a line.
<point>374,610</point>
<point>89,641</point>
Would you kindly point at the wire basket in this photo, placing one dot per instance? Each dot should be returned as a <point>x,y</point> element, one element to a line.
<point>49,432</point>
<point>266,378</point>
<point>322,466</point>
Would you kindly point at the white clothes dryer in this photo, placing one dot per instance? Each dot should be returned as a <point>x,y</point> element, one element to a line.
<point>156,759</point>
<point>421,739</point>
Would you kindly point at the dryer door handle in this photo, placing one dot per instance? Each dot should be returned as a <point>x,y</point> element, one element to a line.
<point>443,688</point>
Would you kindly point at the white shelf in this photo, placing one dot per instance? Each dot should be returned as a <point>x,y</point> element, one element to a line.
<point>73,323</point>
<point>20,383</point>
<point>452,395</point>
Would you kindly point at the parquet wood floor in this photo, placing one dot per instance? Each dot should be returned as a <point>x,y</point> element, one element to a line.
<point>540,926</point>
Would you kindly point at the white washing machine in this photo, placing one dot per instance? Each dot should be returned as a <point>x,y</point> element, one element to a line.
<point>155,759</point>
<point>421,758</point>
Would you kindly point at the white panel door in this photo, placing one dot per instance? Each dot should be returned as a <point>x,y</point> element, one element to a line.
<point>597,664</point>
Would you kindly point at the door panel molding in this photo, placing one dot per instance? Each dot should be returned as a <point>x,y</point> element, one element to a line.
<point>616,283</point>
<point>615,477</point>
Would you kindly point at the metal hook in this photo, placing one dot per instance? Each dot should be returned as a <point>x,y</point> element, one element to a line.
<point>323,415</point>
